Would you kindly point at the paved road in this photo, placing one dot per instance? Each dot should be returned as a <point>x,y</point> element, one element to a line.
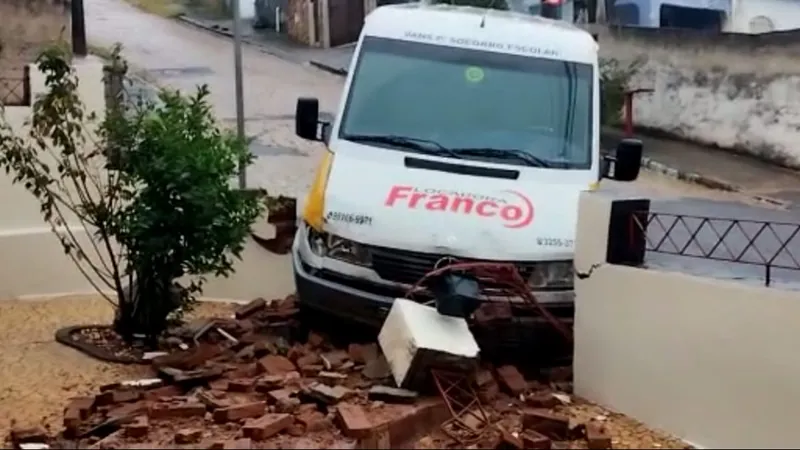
<point>181,56</point>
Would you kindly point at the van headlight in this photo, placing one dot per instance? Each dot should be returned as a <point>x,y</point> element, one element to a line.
<point>552,274</point>
<point>328,245</point>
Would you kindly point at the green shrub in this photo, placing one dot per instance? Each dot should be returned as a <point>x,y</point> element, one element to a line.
<point>169,213</point>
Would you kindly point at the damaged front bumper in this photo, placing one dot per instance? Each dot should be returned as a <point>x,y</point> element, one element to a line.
<point>366,300</point>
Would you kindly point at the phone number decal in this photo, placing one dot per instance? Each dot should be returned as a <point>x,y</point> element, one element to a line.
<point>355,219</point>
<point>555,242</point>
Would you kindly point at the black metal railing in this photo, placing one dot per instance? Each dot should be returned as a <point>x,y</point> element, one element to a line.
<point>15,88</point>
<point>772,245</point>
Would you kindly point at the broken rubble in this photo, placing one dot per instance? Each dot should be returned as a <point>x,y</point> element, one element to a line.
<point>391,395</point>
<point>238,412</point>
<point>327,394</point>
<point>188,436</point>
<point>596,437</point>
<point>554,426</point>
<point>266,426</point>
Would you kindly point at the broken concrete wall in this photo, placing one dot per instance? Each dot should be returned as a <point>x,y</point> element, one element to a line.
<point>734,91</point>
<point>711,361</point>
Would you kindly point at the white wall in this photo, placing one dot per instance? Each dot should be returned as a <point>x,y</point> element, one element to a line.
<point>713,362</point>
<point>726,92</point>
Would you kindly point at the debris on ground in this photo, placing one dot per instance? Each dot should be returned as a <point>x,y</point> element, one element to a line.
<point>248,382</point>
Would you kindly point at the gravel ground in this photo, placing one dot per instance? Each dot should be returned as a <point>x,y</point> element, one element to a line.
<point>38,375</point>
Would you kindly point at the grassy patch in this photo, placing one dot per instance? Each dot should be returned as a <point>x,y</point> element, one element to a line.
<point>163,8</point>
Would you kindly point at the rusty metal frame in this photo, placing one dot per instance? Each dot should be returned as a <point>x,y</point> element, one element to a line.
<point>462,401</point>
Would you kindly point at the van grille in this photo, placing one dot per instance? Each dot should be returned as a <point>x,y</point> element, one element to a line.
<point>403,266</point>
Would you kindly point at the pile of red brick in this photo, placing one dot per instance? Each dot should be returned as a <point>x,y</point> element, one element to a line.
<point>242,383</point>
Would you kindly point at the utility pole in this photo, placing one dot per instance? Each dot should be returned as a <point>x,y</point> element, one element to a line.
<point>78,28</point>
<point>239,90</point>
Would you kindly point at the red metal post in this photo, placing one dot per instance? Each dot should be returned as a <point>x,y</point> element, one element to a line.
<point>627,118</point>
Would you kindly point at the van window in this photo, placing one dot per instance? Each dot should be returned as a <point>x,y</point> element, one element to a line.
<point>464,98</point>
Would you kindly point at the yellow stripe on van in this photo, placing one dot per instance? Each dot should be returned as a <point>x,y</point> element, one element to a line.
<point>314,208</point>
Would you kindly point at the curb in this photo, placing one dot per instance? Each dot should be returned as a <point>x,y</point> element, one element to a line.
<point>328,68</point>
<point>223,32</point>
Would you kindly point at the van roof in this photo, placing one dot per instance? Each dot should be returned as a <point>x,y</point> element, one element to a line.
<point>395,21</point>
<point>470,12</point>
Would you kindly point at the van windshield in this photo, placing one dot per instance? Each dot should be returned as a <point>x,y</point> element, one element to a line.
<point>471,101</point>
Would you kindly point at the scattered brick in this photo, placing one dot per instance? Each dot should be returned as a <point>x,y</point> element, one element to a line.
<point>117,396</point>
<point>534,440</point>
<point>83,405</point>
<point>353,420</point>
<point>72,420</point>
<point>250,308</point>
<point>269,383</point>
<point>138,428</point>
<point>244,371</point>
<point>378,438</point>
<point>333,360</point>
<point>28,435</point>
<point>377,369</point>
<point>238,412</point>
<point>554,426</point>
<point>542,401</point>
<point>188,359</point>
<point>511,380</point>
<point>296,430</point>
<point>241,385</point>
<point>213,399</point>
<point>188,435</point>
<point>312,370</point>
<point>161,392</point>
<point>483,377</point>
<point>509,441</point>
<point>313,421</point>
<point>327,394</point>
<point>310,359</point>
<point>167,411</point>
<point>276,365</point>
<point>128,410</point>
<point>267,426</point>
<point>284,400</point>
<point>391,395</point>
<point>331,378</point>
<point>362,354</point>
<point>597,437</point>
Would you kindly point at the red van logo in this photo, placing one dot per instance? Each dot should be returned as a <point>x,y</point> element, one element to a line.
<point>513,209</point>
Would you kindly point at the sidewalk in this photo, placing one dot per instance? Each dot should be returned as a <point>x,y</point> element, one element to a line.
<point>714,168</point>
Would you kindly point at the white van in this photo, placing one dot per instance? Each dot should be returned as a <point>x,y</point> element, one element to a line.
<point>463,134</point>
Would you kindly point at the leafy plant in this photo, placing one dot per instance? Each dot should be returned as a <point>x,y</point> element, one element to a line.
<point>168,213</point>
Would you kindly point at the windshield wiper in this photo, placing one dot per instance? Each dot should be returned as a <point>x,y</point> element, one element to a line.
<point>500,153</point>
<point>421,145</point>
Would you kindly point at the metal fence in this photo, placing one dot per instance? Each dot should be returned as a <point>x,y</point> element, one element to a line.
<point>15,88</point>
<point>772,245</point>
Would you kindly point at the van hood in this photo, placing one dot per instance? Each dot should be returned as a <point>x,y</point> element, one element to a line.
<point>383,203</point>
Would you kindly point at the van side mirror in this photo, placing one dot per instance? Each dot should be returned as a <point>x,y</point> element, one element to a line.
<point>306,118</point>
<point>627,161</point>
